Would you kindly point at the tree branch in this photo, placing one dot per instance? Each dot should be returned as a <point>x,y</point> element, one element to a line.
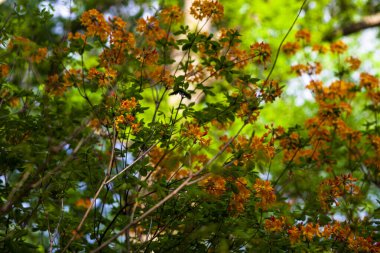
<point>367,22</point>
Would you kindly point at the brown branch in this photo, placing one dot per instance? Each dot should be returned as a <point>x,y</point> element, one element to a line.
<point>367,22</point>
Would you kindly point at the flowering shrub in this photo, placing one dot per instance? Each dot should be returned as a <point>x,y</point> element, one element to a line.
<point>149,140</point>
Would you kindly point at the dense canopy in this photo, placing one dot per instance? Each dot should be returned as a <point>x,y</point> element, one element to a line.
<point>209,126</point>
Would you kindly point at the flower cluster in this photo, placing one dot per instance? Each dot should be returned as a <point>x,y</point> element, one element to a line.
<point>275,225</point>
<point>127,117</point>
<point>261,52</point>
<point>309,69</point>
<point>338,47</point>
<point>95,24</point>
<point>290,48</point>
<point>151,29</point>
<point>330,190</point>
<point>171,15</point>
<point>304,232</point>
<point>103,79</point>
<point>217,185</point>
<point>303,35</point>
<point>194,132</point>
<point>265,193</point>
<point>270,90</point>
<point>28,49</point>
<point>201,9</point>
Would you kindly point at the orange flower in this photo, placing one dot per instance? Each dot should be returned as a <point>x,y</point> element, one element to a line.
<point>294,234</point>
<point>39,55</point>
<point>162,75</point>
<point>340,89</point>
<point>155,155</point>
<point>299,69</point>
<point>76,36</point>
<point>128,120</point>
<point>83,203</point>
<point>353,62</point>
<point>239,199</point>
<point>330,190</point>
<point>72,77</point>
<point>120,120</point>
<point>147,56</point>
<point>14,102</point>
<point>265,193</point>
<point>23,43</point>
<point>135,127</point>
<point>129,104</point>
<point>368,81</point>
<point>270,90</point>
<point>320,49</point>
<point>118,24</point>
<point>193,131</point>
<point>76,234</point>
<point>347,133</point>
<point>274,225</point>
<point>215,185</point>
<point>95,24</point>
<point>309,69</point>
<point>290,48</point>
<point>327,231</point>
<point>151,29</point>
<point>201,9</point>
<point>171,14</point>
<point>262,51</point>
<point>338,47</point>
<point>309,231</point>
<point>104,79</point>
<point>304,35</point>
<point>4,70</point>
<point>245,111</point>
<point>54,86</point>
<point>361,244</point>
<point>111,56</point>
<point>119,37</point>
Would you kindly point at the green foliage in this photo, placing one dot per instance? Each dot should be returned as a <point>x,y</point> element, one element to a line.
<point>148,136</point>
